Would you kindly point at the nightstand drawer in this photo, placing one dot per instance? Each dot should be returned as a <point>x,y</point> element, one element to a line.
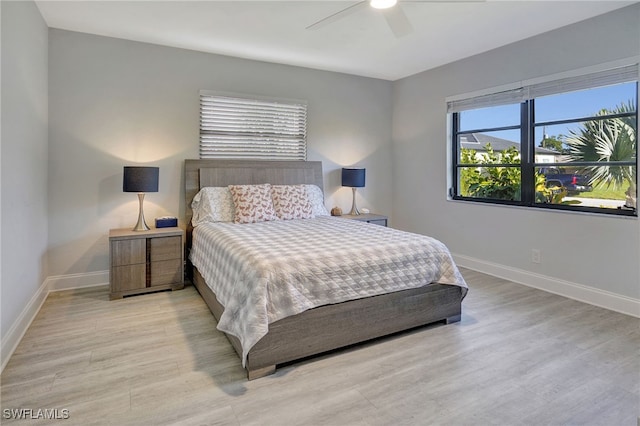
<point>129,277</point>
<point>376,219</point>
<point>166,248</point>
<point>166,272</point>
<point>145,261</point>
<point>128,252</point>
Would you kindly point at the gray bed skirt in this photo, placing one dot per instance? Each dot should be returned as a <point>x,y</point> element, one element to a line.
<point>335,326</point>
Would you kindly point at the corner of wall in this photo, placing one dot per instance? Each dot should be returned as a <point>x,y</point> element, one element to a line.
<point>18,329</point>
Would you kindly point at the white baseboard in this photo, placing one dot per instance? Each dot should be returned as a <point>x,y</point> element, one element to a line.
<point>55,283</point>
<point>593,296</point>
<point>13,337</point>
<point>69,282</point>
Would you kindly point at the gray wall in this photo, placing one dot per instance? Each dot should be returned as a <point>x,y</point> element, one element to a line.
<point>115,103</point>
<point>600,252</point>
<point>24,157</point>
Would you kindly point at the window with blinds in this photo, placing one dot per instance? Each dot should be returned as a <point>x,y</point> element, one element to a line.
<point>567,143</point>
<point>244,128</point>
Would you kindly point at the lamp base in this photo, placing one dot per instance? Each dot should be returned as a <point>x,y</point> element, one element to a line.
<point>354,209</point>
<point>141,225</point>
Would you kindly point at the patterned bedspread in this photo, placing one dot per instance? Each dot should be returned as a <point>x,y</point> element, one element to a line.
<point>263,272</point>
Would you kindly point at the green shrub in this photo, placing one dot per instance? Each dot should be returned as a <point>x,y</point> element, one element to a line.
<point>500,182</point>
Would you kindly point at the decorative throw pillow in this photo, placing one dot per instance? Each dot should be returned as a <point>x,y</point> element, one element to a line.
<point>316,198</point>
<point>252,203</point>
<point>212,204</point>
<point>291,202</point>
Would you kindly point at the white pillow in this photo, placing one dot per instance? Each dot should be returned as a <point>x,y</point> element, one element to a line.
<point>212,204</point>
<point>316,198</point>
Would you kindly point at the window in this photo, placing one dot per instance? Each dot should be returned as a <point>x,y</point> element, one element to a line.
<point>566,144</point>
<point>243,128</point>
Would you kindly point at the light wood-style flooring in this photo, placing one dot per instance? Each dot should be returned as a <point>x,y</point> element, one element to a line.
<point>518,357</point>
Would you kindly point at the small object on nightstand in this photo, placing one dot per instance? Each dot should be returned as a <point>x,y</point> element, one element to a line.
<point>336,211</point>
<point>145,261</point>
<point>365,211</point>
<point>166,222</point>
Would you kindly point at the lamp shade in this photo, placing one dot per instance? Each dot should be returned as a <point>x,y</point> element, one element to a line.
<point>353,177</point>
<point>140,179</point>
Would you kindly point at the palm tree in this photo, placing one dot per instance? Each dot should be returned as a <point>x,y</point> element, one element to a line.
<point>608,140</point>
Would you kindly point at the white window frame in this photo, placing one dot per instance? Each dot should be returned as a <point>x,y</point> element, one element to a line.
<point>524,91</point>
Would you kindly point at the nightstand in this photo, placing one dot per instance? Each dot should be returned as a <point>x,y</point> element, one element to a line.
<point>376,219</point>
<point>145,261</point>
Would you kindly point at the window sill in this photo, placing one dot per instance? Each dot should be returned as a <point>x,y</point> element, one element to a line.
<point>543,209</point>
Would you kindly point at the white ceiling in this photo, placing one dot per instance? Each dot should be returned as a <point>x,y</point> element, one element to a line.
<point>359,43</point>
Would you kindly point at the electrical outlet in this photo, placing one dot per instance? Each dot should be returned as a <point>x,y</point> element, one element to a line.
<point>536,256</point>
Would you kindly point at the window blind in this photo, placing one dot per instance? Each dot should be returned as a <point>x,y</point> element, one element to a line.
<point>514,96</point>
<point>242,128</point>
<point>552,87</point>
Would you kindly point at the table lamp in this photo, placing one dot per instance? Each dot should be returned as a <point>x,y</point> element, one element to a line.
<point>140,180</point>
<point>355,179</point>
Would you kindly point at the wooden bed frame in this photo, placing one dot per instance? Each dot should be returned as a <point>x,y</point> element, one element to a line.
<point>326,327</point>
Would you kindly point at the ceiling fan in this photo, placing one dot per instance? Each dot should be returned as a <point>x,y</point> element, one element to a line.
<point>393,14</point>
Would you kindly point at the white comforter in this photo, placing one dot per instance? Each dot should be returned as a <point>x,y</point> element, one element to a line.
<point>263,272</point>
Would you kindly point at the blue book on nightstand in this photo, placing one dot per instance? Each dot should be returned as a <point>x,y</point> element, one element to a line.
<point>166,222</point>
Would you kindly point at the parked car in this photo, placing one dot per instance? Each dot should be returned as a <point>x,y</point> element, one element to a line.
<point>572,182</point>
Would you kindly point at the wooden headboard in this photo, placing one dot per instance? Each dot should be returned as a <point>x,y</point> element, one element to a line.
<point>202,173</point>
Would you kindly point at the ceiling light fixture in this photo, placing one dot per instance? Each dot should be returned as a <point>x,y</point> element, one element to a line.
<point>382,4</point>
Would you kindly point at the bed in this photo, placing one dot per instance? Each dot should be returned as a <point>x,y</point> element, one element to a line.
<point>306,330</point>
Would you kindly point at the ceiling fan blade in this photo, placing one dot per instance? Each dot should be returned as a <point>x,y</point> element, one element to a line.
<point>398,21</point>
<point>336,16</point>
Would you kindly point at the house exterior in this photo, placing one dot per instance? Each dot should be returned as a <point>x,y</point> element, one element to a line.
<point>479,141</point>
